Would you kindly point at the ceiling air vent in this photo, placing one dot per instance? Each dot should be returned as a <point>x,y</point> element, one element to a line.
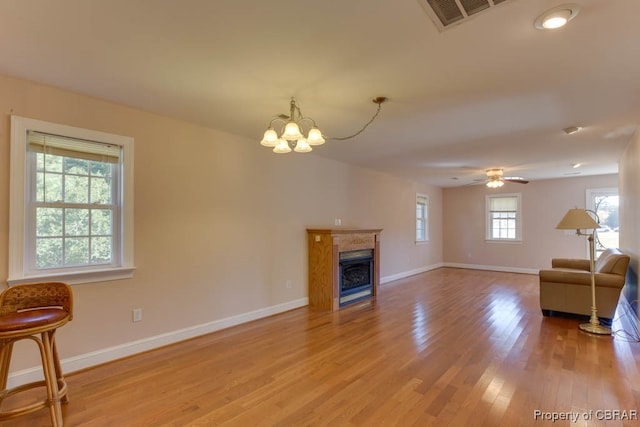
<point>445,13</point>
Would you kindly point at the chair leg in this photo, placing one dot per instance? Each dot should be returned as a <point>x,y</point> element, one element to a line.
<point>49,369</point>
<point>6,347</point>
<point>62,383</point>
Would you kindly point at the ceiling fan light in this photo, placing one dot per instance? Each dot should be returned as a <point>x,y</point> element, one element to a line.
<point>495,183</point>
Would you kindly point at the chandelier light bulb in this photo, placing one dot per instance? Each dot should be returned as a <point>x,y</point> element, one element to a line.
<point>282,147</point>
<point>292,132</point>
<point>315,137</point>
<point>302,146</point>
<point>270,138</point>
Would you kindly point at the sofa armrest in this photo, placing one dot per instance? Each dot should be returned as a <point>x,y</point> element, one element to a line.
<point>576,264</point>
<point>580,277</point>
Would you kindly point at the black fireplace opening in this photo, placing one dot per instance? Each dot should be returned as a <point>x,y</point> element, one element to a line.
<point>356,275</point>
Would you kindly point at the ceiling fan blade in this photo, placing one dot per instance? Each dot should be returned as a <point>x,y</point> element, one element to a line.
<point>475,182</point>
<point>516,179</point>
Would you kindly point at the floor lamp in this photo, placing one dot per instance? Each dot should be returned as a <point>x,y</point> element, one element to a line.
<point>579,219</point>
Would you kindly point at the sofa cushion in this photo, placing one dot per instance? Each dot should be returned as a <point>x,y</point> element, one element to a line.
<point>580,278</point>
<point>612,261</point>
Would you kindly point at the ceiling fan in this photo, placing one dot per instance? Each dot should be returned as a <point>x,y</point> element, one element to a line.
<point>495,178</point>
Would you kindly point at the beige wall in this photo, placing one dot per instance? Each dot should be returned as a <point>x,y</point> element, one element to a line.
<point>219,224</point>
<point>629,215</point>
<point>544,203</point>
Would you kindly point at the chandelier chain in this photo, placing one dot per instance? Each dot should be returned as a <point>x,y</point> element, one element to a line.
<point>343,138</point>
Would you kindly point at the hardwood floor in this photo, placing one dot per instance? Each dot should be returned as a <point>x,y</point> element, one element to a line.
<point>449,347</point>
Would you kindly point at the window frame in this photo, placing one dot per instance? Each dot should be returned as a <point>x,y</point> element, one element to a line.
<point>22,223</point>
<point>424,219</point>
<point>488,218</point>
<point>591,194</point>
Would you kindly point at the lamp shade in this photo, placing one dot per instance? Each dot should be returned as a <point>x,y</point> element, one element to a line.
<point>302,146</point>
<point>270,138</point>
<point>577,219</point>
<point>282,147</point>
<point>315,137</point>
<point>292,132</point>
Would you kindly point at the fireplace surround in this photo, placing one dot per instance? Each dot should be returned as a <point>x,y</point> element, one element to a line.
<point>344,266</point>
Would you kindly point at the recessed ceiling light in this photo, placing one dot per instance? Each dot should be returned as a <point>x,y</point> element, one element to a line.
<point>556,17</point>
<point>576,165</point>
<point>571,130</point>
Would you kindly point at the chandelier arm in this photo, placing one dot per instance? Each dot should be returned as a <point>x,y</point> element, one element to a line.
<point>302,119</point>
<point>343,138</point>
<point>276,119</point>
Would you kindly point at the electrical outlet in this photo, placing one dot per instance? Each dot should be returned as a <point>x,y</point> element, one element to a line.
<point>137,314</point>
<point>288,284</point>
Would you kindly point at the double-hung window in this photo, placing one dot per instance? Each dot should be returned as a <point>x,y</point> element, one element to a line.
<point>504,222</point>
<point>72,203</point>
<point>422,216</point>
<point>605,203</point>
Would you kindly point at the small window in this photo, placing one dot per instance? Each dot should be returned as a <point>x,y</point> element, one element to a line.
<point>71,203</point>
<point>503,217</point>
<point>422,216</point>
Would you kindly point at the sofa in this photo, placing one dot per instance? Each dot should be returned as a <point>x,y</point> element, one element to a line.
<point>566,287</point>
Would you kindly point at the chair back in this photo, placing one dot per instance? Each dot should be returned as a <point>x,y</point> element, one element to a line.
<point>31,296</point>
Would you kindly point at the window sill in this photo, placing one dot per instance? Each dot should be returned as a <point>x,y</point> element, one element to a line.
<point>421,242</point>
<point>508,242</point>
<point>78,277</point>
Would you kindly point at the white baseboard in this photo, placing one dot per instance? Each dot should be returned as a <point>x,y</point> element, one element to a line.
<point>409,273</point>
<point>101,356</point>
<point>492,268</point>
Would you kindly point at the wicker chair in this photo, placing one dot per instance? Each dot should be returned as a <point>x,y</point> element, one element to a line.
<point>34,312</point>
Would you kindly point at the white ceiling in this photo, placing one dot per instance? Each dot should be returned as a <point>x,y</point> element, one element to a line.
<point>490,92</point>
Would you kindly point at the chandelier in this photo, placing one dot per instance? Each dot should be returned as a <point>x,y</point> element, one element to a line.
<point>291,137</point>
